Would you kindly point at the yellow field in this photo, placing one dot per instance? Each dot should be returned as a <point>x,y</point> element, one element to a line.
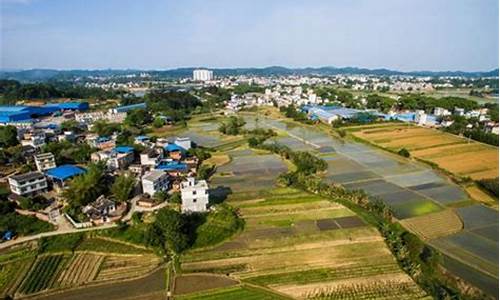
<point>284,248</point>
<point>452,153</point>
<point>434,225</point>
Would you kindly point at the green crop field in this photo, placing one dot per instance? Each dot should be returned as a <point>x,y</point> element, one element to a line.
<point>283,248</point>
<point>240,293</point>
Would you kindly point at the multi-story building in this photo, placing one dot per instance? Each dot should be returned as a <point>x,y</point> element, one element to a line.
<point>154,181</point>
<point>194,195</point>
<point>420,117</point>
<point>28,184</point>
<point>203,75</point>
<point>45,161</point>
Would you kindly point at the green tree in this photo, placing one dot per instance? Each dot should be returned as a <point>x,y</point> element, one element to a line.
<point>138,117</point>
<point>158,122</point>
<point>8,136</point>
<point>85,188</point>
<point>404,152</point>
<point>168,232</point>
<point>123,187</point>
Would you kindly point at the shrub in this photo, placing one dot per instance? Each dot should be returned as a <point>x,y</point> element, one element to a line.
<point>403,152</point>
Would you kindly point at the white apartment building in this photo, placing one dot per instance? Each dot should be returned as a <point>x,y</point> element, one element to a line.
<point>154,181</point>
<point>194,195</point>
<point>203,75</point>
<point>420,117</point>
<point>114,160</point>
<point>150,157</point>
<point>28,184</point>
<point>45,161</point>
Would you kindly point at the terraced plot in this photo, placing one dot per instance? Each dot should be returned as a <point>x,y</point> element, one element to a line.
<point>82,268</point>
<point>302,246</point>
<point>452,153</point>
<point>122,267</point>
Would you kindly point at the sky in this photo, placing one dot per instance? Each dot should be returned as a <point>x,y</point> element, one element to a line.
<point>406,35</point>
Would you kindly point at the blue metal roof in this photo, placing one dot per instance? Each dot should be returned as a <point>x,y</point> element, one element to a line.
<point>126,108</point>
<point>65,172</point>
<point>124,149</point>
<point>174,147</point>
<point>171,166</point>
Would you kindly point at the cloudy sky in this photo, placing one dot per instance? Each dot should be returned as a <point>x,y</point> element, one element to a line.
<point>159,34</point>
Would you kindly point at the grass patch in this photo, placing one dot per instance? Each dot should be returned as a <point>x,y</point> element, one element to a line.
<point>415,208</point>
<point>108,246</point>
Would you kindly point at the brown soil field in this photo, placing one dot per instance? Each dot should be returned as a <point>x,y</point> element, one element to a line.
<point>450,152</point>
<point>434,225</point>
<point>193,283</point>
<point>153,283</point>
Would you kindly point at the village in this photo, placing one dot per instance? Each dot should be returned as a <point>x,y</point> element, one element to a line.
<point>165,168</point>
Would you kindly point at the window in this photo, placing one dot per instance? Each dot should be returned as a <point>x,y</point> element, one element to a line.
<point>194,192</point>
<point>194,200</point>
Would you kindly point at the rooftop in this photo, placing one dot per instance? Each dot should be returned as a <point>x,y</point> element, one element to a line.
<point>153,175</point>
<point>28,176</point>
<point>65,172</point>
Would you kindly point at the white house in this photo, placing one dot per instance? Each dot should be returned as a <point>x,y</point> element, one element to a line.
<point>194,195</point>
<point>154,181</point>
<point>183,142</point>
<point>151,157</point>
<point>421,117</point>
<point>28,184</point>
<point>45,161</point>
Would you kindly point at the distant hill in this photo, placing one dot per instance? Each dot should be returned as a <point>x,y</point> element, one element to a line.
<point>34,75</point>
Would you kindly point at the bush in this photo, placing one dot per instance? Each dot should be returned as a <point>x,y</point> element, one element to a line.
<point>404,153</point>
<point>490,185</point>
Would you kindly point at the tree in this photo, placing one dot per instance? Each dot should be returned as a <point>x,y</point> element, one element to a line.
<point>233,126</point>
<point>8,136</point>
<point>138,117</point>
<point>103,128</point>
<point>404,152</point>
<point>158,122</point>
<point>85,188</point>
<point>205,171</point>
<point>123,187</point>
<point>168,231</point>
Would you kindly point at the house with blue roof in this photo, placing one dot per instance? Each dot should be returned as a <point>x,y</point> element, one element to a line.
<point>60,175</point>
<point>172,166</point>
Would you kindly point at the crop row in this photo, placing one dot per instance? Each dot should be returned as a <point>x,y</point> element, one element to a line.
<point>378,290</point>
<point>82,268</point>
<point>325,274</point>
<point>43,273</point>
<point>11,275</point>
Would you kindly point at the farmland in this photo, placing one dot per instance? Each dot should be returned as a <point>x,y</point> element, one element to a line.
<point>63,262</point>
<point>456,155</point>
<point>299,245</point>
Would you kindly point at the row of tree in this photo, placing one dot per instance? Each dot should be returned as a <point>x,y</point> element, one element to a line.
<point>12,91</point>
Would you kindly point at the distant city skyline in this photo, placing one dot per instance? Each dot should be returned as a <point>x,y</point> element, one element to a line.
<point>442,35</point>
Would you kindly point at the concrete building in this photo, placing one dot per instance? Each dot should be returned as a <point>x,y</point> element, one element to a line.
<point>151,157</point>
<point>420,117</point>
<point>28,184</point>
<point>154,181</point>
<point>183,142</point>
<point>203,75</point>
<point>194,195</point>
<point>45,161</point>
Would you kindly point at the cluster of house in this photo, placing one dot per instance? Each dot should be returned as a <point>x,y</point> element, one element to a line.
<point>164,166</point>
<point>277,95</point>
<point>331,113</point>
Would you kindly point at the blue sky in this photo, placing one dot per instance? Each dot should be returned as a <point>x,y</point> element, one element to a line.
<point>160,34</point>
